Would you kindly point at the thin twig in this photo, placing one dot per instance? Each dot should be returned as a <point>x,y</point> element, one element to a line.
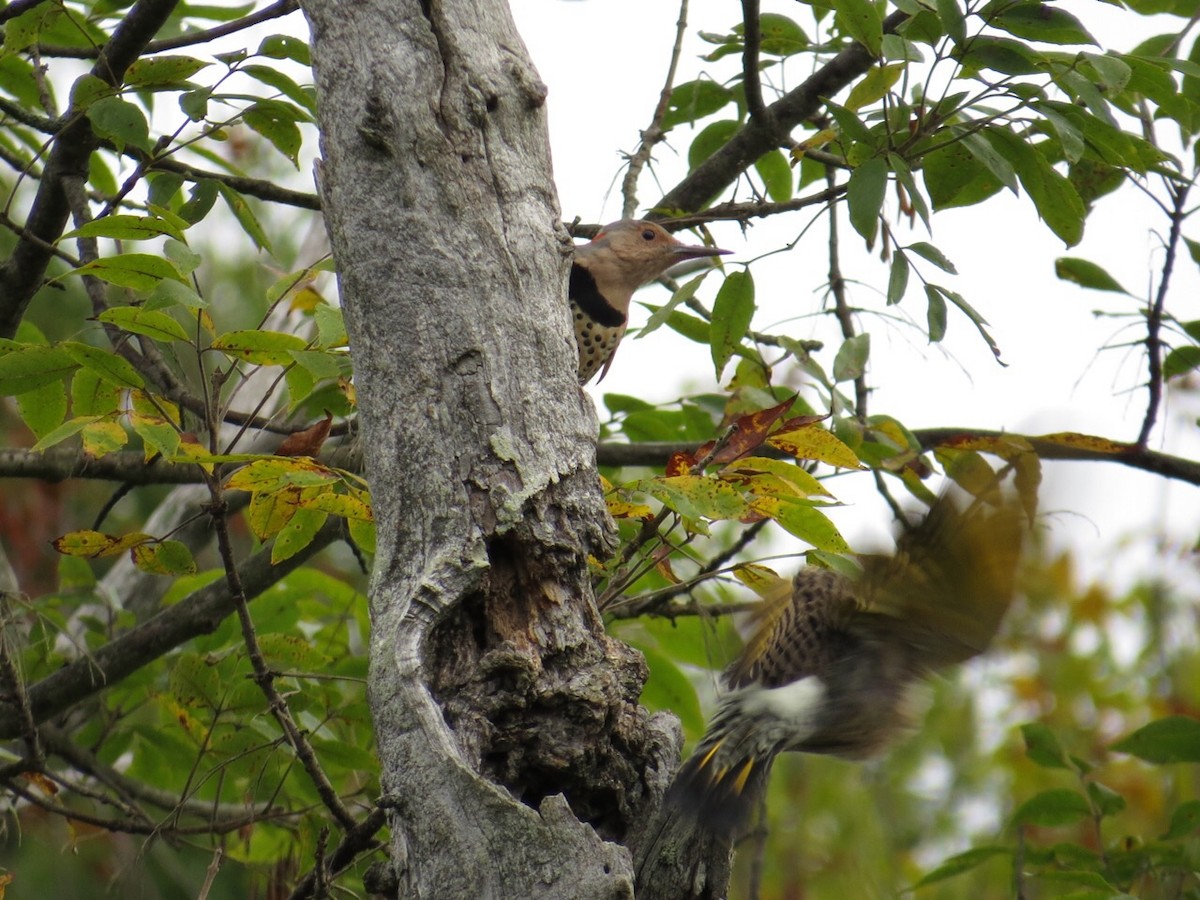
<point>1154,316</point>
<point>266,679</point>
<point>654,133</point>
<point>210,874</point>
<point>358,840</point>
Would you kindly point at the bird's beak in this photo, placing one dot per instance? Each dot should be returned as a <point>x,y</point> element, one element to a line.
<point>695,251</point>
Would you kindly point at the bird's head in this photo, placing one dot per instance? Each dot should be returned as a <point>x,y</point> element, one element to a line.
<point>627,254</point>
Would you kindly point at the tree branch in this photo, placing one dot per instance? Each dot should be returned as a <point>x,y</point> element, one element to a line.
<point>1154,315</point>
<point>22,273</point>
<point>654,133</point>
<point>1085,449</point>
<point>758,136</point>
<point>200,613</point>
<point>274,11</point>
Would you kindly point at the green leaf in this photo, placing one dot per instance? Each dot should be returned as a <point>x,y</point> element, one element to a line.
<point>292,652</point>
<point>897,279</point>
<point>948,172</point>
<point>1184,821</point>
<point>121,122</point>
<point>694,100</point>
<point>1056,199</point>
<point>1086,274</point>
<point>668,688</point>
<point>934,255</point>
<point>864,196</point>
<point>660,314</point>
<point>272,77</point>
<point>297,534</point>
<point>873,86</point>
<point>710,140</point>
<point>935,315</point>
<point>92,395</point>
<point>23,30</point>
<point>992,161</point>
<point>779,35</point>
<point>851,359</point>
<point>1180,361</point>
<point>952,20</point>
<point>126,228</point>
<point>157,325</point>
<point>195,682</point>
<point>861,20</point>
<point>850,125</point>
<point>1042,22</point>
<point>963,862</point>
<point>1052,809</point>
<point>265,348</point>
<point>28,367</point>
<point>163,70</point>
<point>44,408</point>
<point>164,558</point>
<point>1041,744</point>
<point>137,271</point>
<point>285,46</point>
<point>1003,55</point>
<point>776,174</point>
<point>1170,740</point>
<point>803,520</point>
<point>732,312</point>
<point>277,123</point>
<point>105,363</point>
<point>245,216</point>
<point>697,496</point>
<point>65,430</point>
<point>331,327</point>
<point>1105,799</point>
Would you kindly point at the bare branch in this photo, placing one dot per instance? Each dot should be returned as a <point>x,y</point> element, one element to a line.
<point>1154,316</point>
<point>656,453</point>
<point>654,133</point>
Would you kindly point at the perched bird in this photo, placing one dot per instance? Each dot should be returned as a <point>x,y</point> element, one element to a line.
<point>832,662</point>
<point>619,260</point>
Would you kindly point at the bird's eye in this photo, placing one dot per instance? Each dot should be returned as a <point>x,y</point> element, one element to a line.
<point>648,234</point>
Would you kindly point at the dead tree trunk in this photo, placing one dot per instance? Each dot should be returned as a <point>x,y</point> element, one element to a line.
<point>495,691</point>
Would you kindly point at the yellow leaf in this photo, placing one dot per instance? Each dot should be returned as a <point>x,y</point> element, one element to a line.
<point>94,544</point>
<point>765,582</point>
<point>774,477</point>
<point>269,511</point>
<point>814,442</point>
<point>102,438</point>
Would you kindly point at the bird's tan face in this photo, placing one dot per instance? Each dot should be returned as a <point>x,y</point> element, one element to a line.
<point>627,254</point>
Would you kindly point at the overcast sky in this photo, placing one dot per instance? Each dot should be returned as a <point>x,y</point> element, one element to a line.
<point>605,63</point>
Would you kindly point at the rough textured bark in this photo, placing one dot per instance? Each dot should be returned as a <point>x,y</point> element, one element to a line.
<point>495,691</point>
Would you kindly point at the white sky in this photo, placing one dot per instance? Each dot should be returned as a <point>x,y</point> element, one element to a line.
<point>605,62</point>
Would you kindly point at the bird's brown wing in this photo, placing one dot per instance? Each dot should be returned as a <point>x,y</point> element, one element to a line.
<point>796,630</point>
<point>950,581</point>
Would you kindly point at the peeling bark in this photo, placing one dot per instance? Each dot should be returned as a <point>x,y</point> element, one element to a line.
<point>495,691</point>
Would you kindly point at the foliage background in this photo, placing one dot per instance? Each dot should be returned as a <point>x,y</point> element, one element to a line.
<point>1103,643</point>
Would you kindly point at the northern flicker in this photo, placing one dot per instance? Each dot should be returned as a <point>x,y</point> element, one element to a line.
<point>619,260</point>
<point>832,663</point>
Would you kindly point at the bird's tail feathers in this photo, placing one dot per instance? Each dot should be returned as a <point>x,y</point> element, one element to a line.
<point>720,783</point>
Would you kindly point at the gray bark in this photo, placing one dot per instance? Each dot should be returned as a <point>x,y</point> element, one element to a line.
<point>495,691</point>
